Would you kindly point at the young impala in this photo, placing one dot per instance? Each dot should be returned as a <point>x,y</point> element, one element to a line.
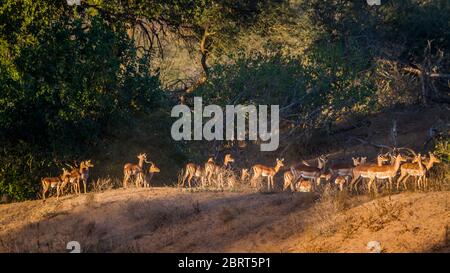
<point>304,185</point>
<point>264,171</point>
<point>340,181</point>
<point>130,169</point>
<point>417,169</point>
<point>377,172</point>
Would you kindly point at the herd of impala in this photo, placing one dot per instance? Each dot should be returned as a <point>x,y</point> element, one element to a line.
<point>302,177</point>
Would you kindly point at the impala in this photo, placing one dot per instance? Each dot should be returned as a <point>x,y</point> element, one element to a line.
<point>74,179</point>
<point>359,160</point>
<point>341,180</point>
<point>84,172</point>
<point>377,172</point>
<point>417,169</point>
<point>305,185</point>
<point>54,182</point>
<point>193,170</point>
<point>381,158</point>
<point>245,174</point>
<point>288,179</point>
<point>211,168</point>
<point>343,170</point>
<point>310,172</point>
<point>65,178</point>
<point>269,172</point>
<point>142,179</point>
<point>130,169</point>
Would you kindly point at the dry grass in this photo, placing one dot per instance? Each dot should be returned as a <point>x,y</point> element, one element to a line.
<point>104,184</point>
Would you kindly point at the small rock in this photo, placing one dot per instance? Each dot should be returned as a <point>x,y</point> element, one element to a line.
<point>374,247</point>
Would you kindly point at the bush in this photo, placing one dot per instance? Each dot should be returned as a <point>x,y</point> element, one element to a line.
<point>329,82</point>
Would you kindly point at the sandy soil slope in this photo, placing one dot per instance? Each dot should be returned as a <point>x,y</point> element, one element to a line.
<point>167,220</point>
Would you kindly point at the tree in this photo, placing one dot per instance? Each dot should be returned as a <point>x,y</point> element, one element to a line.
<point>211,25</point>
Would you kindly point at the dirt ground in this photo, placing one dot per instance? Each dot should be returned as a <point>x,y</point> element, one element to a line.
<point>168,219</point>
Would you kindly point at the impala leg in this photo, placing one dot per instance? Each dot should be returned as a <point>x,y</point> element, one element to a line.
<point>78,186</point>
<point>369,185</point>
<point>208,178</point>
<point>405,185</point>
<point>292,185</point>
<point>189,180</point>
<point>402,176</point>
<point>84,186</point>
<point>44,191</point>
<point>219,180</point>
<point>63,186</point>
<point>57,192</point>
<point>253,180</point>
<point>353,182</point>
<point>186,175</point>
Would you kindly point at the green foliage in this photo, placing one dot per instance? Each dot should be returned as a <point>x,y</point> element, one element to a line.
<point>21,170</point>
<point>442,148</point>
<point>325,81</point>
